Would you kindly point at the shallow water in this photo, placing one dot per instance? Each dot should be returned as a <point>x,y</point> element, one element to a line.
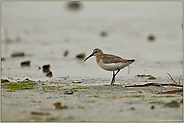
<point>46,33</point>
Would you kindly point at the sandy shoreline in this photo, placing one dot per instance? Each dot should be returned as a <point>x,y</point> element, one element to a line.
<point>98,102</point>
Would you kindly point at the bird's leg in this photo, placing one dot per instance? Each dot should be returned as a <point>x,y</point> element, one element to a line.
<point>113,76</point>
<point>117,72</point>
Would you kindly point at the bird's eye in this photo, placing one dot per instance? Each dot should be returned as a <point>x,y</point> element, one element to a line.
<point>95,52</point>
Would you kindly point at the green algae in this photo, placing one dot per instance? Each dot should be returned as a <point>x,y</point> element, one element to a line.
<point>20,85</point>
<point>4,80</point>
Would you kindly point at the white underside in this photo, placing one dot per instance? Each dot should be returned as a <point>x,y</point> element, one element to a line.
<point>112,66</point>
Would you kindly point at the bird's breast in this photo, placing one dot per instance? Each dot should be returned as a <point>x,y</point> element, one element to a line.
<point>111,66</point>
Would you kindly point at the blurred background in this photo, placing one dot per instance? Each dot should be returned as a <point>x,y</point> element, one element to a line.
<point>56,32</point>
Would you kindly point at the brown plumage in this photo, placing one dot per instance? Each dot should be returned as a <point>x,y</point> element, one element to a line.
<point>110,62</point>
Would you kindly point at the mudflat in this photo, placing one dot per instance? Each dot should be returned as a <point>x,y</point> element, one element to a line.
<point>59,36</point>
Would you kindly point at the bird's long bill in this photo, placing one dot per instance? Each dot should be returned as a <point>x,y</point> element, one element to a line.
<point>88,57</point>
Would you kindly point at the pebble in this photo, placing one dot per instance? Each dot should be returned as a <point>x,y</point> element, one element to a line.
<point>68,92</point>
<point>103,33</point>
<point>74,5</point>
<point>49,74</point>
<point>65,53</point>
<point>76,81</point>
<point>27,79</point>
<point>25,63</point>
<point>80,56</point>
<point>17,54</point>
<point>57,105</point>
<point>151,77</point>
<point>46,68</point>
<point>39,113</point>
<point>132,108</point>
<point>65,77</point>
<point>151,37</point>
<point>2,59</point>
<point>152,107</point>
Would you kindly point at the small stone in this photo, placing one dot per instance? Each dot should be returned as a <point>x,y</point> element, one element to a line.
<point>17,54</point>
<point>2,59</point>
<point>39,113</point>
<point>57,105</point>
<point>151,77</point>
<point>103,33</point>
<point>49,74</point>
<point>25,63</point>
<point>68,92</point>
<point>152,107</point>
<point>80,56</point>
<point>27,79</point>
<point>46,68</point>
<point>65,53</point>
<point>132,108</point>
<point>151,37</point>
<point>76,81</point>
<point>36,113</point>
<point>74,5</point>
<point>65,77</point>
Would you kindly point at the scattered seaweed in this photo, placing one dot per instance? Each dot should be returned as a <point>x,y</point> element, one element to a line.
<point>4,80</point>
<point>20,85</point>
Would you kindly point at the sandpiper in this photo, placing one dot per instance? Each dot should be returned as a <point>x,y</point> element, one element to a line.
<point>110,62</point>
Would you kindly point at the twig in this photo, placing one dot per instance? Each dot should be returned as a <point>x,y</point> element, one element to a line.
<point>171,78</point>
<point>171,92</point>
<point>154,84</point>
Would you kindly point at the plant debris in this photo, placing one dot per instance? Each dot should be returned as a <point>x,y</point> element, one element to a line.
<point>172,92</point>
<point>22,85</point>
<point>174,104</point>
<point>154,84</point>
<point>172,78</point>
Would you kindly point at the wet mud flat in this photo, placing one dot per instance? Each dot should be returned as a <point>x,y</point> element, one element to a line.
<point>65,38</point>
<point>90,99</point>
